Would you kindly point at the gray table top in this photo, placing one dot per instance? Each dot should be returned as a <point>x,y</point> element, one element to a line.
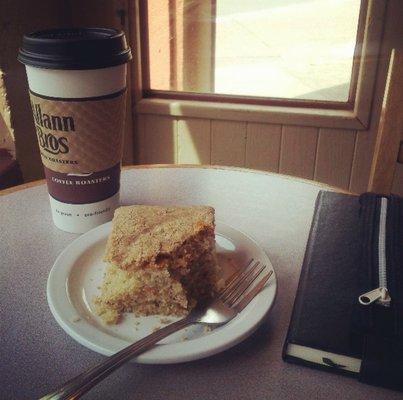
<point>37,355</point>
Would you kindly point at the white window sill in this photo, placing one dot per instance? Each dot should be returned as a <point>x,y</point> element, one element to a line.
<point>344,119</point>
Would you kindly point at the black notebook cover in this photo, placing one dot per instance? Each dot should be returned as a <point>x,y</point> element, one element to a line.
<point>323,330</point>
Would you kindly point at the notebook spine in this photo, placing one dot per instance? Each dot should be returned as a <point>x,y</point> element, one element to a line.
<point>295,314</point>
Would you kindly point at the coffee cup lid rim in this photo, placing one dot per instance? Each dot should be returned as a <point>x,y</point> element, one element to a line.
<point>75,48</point>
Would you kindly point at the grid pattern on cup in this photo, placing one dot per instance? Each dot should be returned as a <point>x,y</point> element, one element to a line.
<point>96,142</point>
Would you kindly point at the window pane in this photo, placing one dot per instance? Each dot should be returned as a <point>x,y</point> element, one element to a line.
<point>295,49</point>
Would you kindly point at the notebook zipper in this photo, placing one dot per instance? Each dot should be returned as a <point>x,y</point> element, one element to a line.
<point>380,295</point>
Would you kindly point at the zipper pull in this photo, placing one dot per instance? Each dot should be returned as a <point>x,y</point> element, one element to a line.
<point>380,295</point>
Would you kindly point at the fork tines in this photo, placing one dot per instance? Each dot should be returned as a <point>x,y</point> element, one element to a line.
<point>241,281</point>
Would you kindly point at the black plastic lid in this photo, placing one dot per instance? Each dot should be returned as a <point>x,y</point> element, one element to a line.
<point>76,48</point>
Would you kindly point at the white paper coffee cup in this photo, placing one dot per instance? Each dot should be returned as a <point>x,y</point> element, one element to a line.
<point>77,83</point>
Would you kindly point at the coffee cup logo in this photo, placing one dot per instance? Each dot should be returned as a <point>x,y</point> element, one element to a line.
<point>52,144</point>
<point>47,141</point>
<point>79,135</point>
<point>53,122</point>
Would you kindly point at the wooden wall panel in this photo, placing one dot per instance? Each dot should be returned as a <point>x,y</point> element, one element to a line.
<point>362,159</point>
<point>369,61</point>
<point>228,143</point>
<point>194,141</point>
<point>335,156</point>
<point>390,129</point>
<point>298,151</point>
<point>263,146</point>
<point>392,38</point>
<point>158,141</point>
<point>325,155</point>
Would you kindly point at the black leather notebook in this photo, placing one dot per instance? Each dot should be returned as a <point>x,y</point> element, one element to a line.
<point>348,311</point>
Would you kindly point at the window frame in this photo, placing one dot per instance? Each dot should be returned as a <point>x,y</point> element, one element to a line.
<point>353,114</point>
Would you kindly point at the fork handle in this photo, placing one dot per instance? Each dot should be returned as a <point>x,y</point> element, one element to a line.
<point>76,387</point>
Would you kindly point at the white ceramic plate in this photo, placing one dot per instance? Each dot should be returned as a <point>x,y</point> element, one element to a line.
<point>77,273</point>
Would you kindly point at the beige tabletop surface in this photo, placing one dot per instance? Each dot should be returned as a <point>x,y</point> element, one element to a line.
<point>37,355</point>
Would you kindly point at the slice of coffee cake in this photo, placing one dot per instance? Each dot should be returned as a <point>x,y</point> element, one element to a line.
<point>161,261</point>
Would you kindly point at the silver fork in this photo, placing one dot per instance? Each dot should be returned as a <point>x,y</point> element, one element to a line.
<point>230,301</point>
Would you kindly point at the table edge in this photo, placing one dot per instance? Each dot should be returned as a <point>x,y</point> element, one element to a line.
<point>39,182</point>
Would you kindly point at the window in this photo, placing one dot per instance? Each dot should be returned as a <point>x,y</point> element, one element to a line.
<point>293,52</point>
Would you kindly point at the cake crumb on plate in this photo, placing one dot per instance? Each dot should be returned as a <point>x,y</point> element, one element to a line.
<point>166,321</point>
